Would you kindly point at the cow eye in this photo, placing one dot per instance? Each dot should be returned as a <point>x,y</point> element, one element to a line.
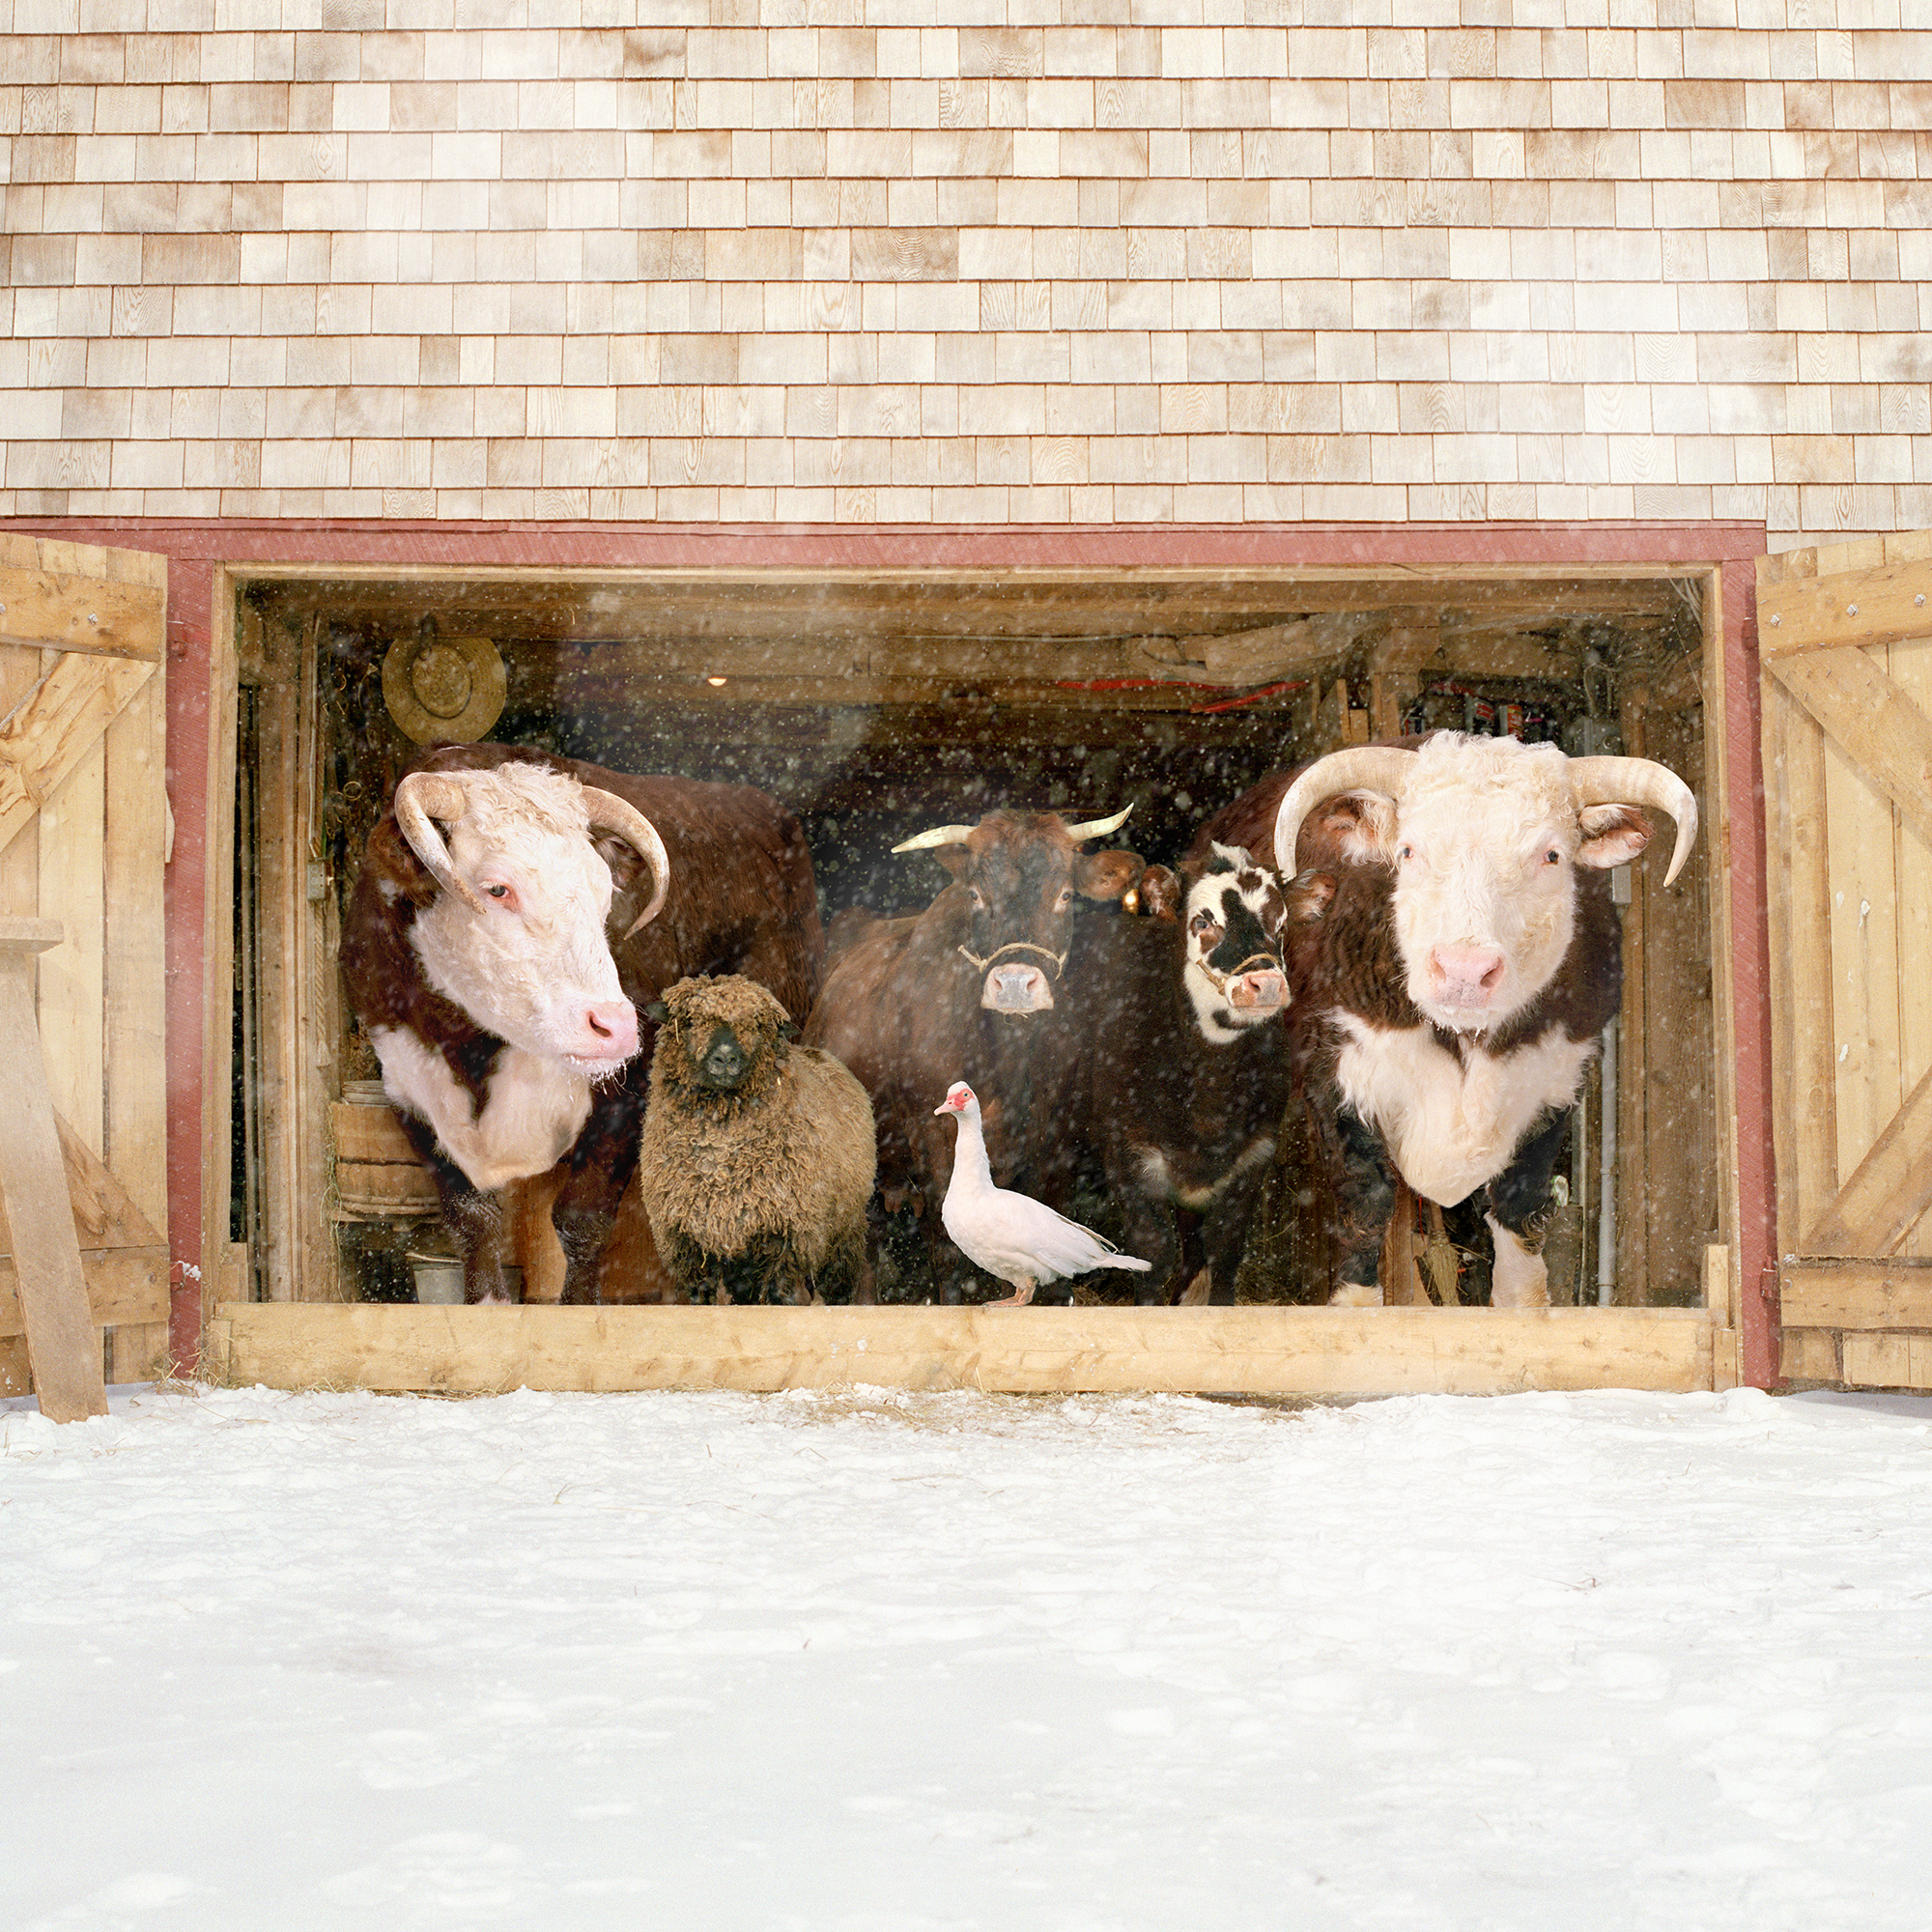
<point>978,898</point>
<point>1553,857</point>
<point>1065,900</point>
<point>1407,852</point>
<point>497,891</point>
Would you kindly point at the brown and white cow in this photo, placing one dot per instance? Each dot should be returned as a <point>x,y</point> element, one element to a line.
<point>513,911</point>
<point>973,989</point>
<point>1449,1001</point>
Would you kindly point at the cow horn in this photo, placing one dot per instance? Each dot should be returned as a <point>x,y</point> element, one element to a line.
<point>1097,828</point>
<point>420,798</point>
<point>1641,781</point>
<point>940,834</point>
<point>611,813</point>
<point>1382,768</point>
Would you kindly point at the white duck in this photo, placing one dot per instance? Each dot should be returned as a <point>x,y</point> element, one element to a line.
<point>1013,1235</point>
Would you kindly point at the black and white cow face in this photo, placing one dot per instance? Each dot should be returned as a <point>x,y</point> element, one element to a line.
<point>1231,968</point>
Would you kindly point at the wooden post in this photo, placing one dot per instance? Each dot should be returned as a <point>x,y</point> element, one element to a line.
<point>36,1210</point>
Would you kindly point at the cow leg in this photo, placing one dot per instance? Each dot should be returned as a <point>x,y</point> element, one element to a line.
<point>1230,1219</point>
<point>602,1161</point>
<point>1520,1213</point>
<point>1189,1259</point>
<point>474,1218</point>
<point>1364,1200</point>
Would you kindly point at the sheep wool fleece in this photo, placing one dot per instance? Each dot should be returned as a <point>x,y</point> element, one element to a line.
<point>759,1190</point>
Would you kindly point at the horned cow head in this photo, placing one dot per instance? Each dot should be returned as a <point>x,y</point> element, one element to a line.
<point>1483,837</point>
<point>1021,871</point>
<point>515,936</point>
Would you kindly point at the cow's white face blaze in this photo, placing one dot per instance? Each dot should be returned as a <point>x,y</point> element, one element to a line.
<point>1485,842</point>
<point>532,964</point>
<point>1231,969</point>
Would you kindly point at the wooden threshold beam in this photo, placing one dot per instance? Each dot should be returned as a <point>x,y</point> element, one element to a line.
<point>1315,1351</point>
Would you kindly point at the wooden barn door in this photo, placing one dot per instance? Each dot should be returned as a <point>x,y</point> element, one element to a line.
<point>1845,637</point>
<point>83,840</point>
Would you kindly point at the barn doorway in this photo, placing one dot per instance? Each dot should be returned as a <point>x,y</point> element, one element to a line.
<point>877,703</point>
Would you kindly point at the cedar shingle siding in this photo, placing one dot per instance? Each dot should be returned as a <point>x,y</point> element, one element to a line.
<point>826,259</point>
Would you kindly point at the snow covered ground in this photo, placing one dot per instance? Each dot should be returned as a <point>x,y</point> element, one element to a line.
<point>880,1661</point>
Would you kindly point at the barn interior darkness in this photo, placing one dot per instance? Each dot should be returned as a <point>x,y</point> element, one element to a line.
<point>876,705</point>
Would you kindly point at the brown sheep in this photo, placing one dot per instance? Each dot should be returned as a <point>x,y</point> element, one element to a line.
<point>756,1159</point>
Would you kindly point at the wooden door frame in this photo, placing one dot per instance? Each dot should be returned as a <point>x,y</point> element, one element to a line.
<point>210,558</point>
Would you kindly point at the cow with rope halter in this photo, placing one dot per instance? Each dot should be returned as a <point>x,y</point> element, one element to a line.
<point>978,987</point>
<point>1449,1001</point>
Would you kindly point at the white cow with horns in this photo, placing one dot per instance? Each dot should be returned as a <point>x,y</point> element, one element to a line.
<point>1447,1004</point>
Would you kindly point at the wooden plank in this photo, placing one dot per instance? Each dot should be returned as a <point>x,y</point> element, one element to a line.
<point>1887,1192</point>
<point>36,1220</point>
<point>322,1025</point>
<point>1910,666</point>
<point>19,861</point>
<point>105,1215</point>
<point>1856,1295</point>
<point>1810,1355</point>
<point>51,731</point>
<point>72,1004</point>
<point>1876,723</point>
<point>1805,1055</point>
<point>135,1102</point>
<point>1721,1298</point>
<point>134,873</point>
<point>1256,1351</point>
<point>280,864</point>
<point>1725,705</point>
<point>146,568</point>
<point>1886,1361</point>
<point>123,1285</point>
<point>50,610</point>
<point>1630,1236</point>
<point>1669,1173</point>
<point>1847,608</point>
<point>1860,860</point>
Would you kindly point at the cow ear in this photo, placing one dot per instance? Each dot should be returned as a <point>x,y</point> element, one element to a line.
<point>1107,875</point>
<point>1360,825</point>
<point>1613,834</point>
<point>1309,898</point>
<point>956,859</point>
<point>627,865</point>
<point>1159,893</point>
<point>659,1012</point>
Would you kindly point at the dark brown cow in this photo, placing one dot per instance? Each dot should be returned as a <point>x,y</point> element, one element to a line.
<point>1448,1004</point>
<point>972,989</point>
<point>497,952</point>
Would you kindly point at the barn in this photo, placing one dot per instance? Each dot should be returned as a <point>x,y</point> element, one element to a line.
<point>907,419</point>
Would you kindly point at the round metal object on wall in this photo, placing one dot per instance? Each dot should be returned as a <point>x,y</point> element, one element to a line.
<point>443,688</point>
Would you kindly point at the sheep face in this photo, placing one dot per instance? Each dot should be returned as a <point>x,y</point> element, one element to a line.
<point>730,1035</point>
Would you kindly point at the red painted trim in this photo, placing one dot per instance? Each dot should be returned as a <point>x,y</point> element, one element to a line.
<point>1751,980</point>
<point>195,546</point>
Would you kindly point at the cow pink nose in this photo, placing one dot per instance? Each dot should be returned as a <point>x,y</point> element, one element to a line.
<point>1017,989</point>
<point>614,1025</point>
<point>1468,974</point>
<point>1258,989</point>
